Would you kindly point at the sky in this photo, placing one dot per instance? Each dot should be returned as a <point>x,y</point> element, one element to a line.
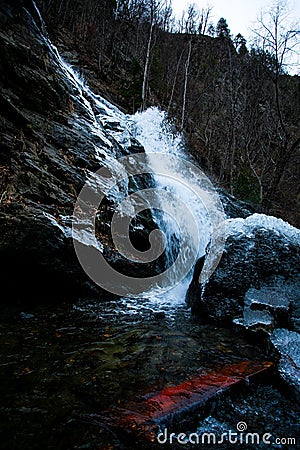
<point>239,14</point>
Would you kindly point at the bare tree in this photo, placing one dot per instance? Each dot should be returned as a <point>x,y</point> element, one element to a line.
<point>191,29</point>
<point>278,37</point>
<point>155,8</point>
<point>146,67</point>
<point>191,19</point>
<point>277,34</point>
<point>204,17</point>
<point>175,81</point>
<point>187,65</point>
<point>168,19</point>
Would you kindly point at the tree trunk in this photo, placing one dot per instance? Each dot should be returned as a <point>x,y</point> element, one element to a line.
<point>174,83</point>
<point>146,68</point>
<point>187,65</point>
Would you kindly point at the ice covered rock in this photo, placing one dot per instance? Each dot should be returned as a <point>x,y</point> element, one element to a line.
<point>288,345</point>
<point>266,308</point>
<point>267,298</point>
<point>255,320</point>
<point>261,259</point>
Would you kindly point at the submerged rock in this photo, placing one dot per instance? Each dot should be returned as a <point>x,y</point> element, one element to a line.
<point>177,406</point>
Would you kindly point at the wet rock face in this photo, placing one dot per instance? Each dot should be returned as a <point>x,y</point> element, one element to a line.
<point>260,251</point>
<point>54,136</point>
<point>287,343</point>
<point>233,207</point>
<point>43,159</point>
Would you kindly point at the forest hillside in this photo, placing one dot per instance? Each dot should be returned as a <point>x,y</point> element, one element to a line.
<point>237,105</point>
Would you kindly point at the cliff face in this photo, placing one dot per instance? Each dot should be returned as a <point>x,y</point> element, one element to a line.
<point>52,139</point>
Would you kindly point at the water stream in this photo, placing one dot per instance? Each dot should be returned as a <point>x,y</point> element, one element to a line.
<point>63,365</point>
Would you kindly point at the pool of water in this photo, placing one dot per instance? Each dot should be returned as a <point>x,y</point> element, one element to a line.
<point>63,365</point>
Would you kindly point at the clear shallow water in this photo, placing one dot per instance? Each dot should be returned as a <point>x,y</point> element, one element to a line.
<point>63,365</point>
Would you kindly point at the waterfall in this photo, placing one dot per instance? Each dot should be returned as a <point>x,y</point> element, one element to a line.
<point>153,130</point>
<point>185,199</point>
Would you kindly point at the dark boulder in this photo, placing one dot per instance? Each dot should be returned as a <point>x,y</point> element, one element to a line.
<point>256,286</point>
<point>260,251</point>
<point>39,262</point>
<point>235,208</point>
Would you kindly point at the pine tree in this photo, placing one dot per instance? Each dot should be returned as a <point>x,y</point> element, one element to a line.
<point>222,28</point>
<point>240,44</point>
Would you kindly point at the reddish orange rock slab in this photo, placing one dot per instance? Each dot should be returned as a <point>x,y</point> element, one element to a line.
<point>144,416</point>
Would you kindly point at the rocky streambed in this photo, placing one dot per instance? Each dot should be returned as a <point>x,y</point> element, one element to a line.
<point>64,367</point>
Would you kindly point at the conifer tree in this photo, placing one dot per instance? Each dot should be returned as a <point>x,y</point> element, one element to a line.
<point>222,28</point>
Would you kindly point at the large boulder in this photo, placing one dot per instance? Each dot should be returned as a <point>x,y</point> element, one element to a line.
<point>256,287</point>
<point>261,252</point>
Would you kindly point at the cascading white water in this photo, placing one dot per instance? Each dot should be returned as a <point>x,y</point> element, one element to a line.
<point>153,131</point>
